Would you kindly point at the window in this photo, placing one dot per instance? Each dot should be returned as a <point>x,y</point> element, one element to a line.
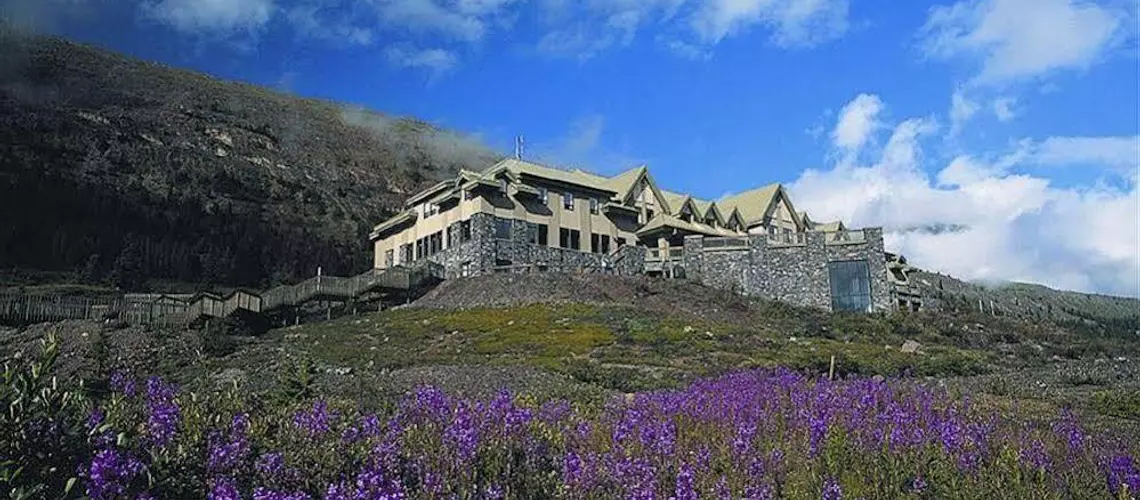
<point>542,230</point>
<point>503,228</point>
<point>449,235</point>
<point>772,230</point>
<point>431,209</point>
<point>405,253</point>
<point>593,205</point>
<point>850,286</point>
<point>464,231</point>
<point>568,201</point>
<point>465,269</point>
<point>467,194</point>
<point>569,238</point>
<point>419,249</point>
<point>543,195</point>
<point>531,233</point>
<point>435,243</point>
<point>599,243</point>
<point>389,258</point>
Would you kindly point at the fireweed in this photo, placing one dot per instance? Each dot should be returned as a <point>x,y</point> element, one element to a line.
<point>754,435</point>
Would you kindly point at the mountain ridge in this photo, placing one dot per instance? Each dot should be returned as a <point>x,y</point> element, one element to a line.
<point>129,171</point>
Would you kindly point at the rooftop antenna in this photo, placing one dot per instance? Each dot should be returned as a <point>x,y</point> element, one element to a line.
<point>518,147</point>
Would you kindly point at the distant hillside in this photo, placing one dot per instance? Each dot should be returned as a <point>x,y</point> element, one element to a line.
<point>118,170</point>
<point>1081,312</point>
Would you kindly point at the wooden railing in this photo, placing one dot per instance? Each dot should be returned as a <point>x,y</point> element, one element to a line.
<point>176,310</point>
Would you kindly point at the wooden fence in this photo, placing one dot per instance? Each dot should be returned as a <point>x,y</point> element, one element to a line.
<point>179,310</point>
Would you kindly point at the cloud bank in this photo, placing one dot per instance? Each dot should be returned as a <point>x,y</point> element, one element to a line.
<point>1006,222</point>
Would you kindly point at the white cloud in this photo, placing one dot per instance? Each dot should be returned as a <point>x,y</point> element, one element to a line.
<point>436,61</point>
<point>962,108</point>
<point>687,27</point>
<point>1119,153</point>
<point>1009,225</point>
<point>1003,108</point>
<point>858,121</point>
<point>793,22</point>
<point>1015,39</point>
<point>210,16</point>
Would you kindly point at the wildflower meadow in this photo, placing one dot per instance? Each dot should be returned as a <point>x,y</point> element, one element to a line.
<point>749,435</point>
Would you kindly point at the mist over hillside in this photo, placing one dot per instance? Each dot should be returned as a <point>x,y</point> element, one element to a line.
<point>115,169</point>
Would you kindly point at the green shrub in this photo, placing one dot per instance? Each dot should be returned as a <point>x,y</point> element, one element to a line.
<point>42,428</point>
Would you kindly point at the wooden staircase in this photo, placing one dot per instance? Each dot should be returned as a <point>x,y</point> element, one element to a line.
<point>182,310</point>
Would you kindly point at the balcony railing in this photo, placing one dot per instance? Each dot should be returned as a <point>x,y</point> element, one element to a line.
<point>844,237</point>
<point>787,239</point>
<point>728,243</point>
<point>658,255</point>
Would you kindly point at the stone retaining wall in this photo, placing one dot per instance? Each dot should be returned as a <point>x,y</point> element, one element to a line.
<point>796,273</point>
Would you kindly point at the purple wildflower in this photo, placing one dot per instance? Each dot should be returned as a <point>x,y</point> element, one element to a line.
<point>684,489</point>
<point>227,454</point>
<point>316,421</point>
<point>123,383</point>
<point>164,414</point>
<point>110,474</point>
<point>95,418</point>
<point>223,488</point>
<point>832,490</point>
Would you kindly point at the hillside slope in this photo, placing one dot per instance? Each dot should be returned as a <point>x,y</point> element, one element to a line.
<point>115,168</point>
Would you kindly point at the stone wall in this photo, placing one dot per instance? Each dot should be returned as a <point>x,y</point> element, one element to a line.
<point>483,253</point>
<point>796,273</point>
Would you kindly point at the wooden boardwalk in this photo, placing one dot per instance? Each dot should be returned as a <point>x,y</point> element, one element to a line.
<point>174,310</point>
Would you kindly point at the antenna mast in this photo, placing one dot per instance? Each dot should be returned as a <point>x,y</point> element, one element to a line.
<point>518,147</point>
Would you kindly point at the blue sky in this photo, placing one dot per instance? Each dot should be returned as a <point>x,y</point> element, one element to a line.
<point>1015,120</point>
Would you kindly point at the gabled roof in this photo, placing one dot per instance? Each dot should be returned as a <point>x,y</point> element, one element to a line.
<point>667,221</point>
<point>835,225</point>
<point>572,177</point>
<point>734,214</point>
<point>753,204</point>
<point>803,216</point>
<point>709,207</point>
<point>400,218</point>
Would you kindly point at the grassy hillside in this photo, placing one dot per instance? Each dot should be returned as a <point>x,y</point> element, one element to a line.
<point>571,340</point>
<point>126,171</point>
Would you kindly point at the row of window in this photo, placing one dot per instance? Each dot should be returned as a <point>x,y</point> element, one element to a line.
<point>567,238</point>
<point>429,245</point>
<point>567,200</point>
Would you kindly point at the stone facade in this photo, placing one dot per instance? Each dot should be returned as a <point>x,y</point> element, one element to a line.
<point>795,272</point>
<point>484,253</point>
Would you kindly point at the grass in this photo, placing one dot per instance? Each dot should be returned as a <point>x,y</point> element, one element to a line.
<point>616,348</point>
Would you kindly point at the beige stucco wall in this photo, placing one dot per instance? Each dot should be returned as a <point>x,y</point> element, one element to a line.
<point>511,207</point>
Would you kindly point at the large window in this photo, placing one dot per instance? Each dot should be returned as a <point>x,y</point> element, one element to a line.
<point>569,238</point>
<point>536,233</point>
<point>850,286</point>
<point>600,243</point>
<point>503,228</point>
<point>389,258</point>
<point>464,231</point>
